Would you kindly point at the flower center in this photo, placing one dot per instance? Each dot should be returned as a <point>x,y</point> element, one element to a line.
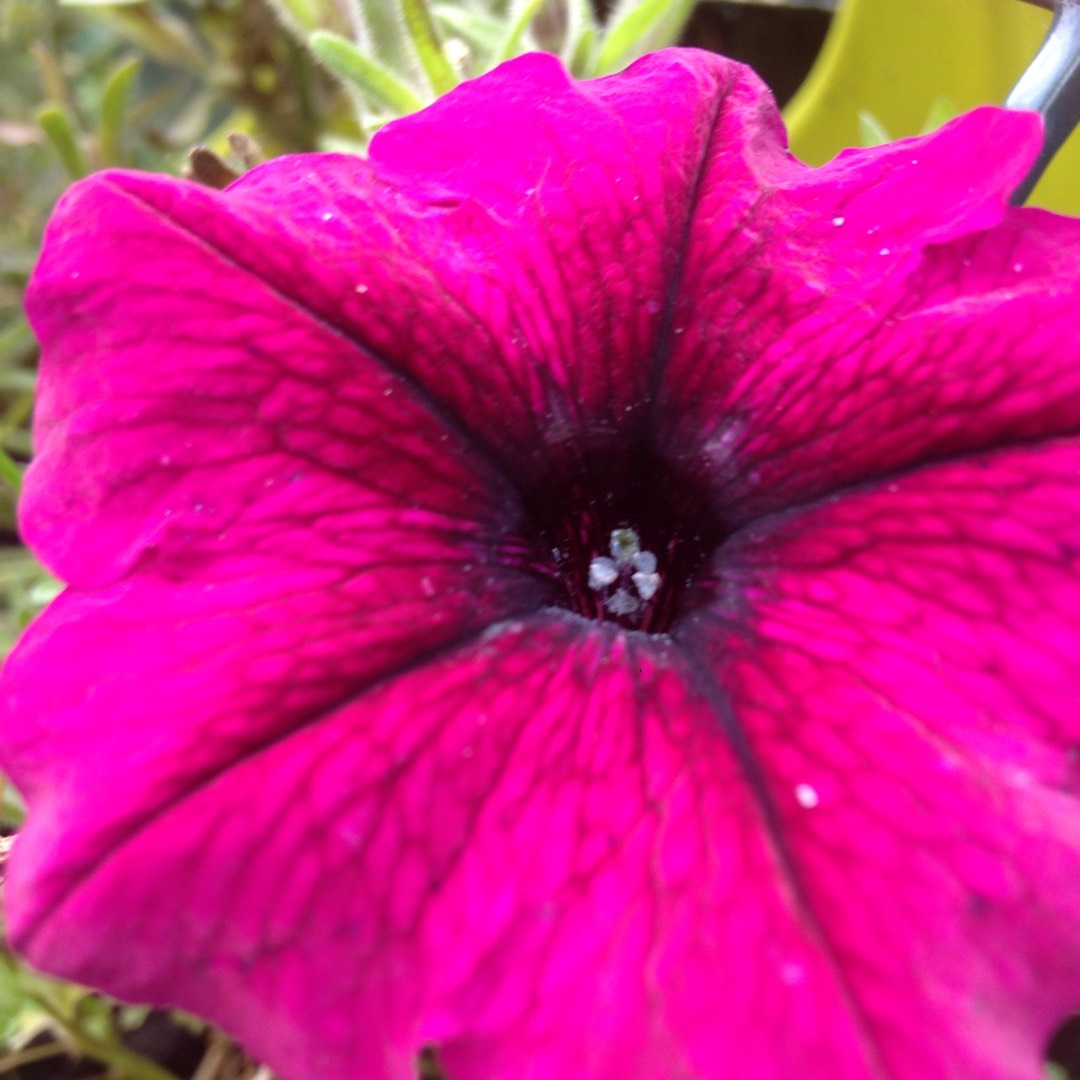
<point>625,538</point>
<point>626,579</point>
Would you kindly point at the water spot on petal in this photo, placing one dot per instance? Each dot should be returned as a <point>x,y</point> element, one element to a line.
<point>1021,778</point>
<point>792,973</point>
<point>806,796</point>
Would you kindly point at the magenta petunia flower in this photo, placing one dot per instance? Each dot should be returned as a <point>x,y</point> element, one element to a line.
<point>578,589</point>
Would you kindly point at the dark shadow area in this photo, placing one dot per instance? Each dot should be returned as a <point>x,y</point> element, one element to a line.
<point>427,1065</point>
<point>1064,1048</point>
<point>779,43</point>
<point>158,1037</point>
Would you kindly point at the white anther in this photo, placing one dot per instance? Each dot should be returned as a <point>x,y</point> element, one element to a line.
<point>602,572</point>
<point>646,584</point>
<point>645,561</point>
<point>622,603</point>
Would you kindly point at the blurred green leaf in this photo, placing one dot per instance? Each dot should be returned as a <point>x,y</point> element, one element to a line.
<point>160,34</point>
<point>20,1017</point>
<point>114,99</point>
<point>56,122</point>
<point>871,130</point>
<point>942,110</point>
<point>86,1020</point>
<point>17,262</point>
<point>581,32</point>
<point>16,342</point>
<point>12,814</point>
<point>518,24</point>
<point>632,27</point>
<point>305,13</point>
<point>425,40</point>
<point>346,60</point>
<point>580,60</point>
<point>10,471</point>
<point>484,32</point>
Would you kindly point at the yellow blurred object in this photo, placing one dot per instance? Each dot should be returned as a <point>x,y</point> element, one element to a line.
<point>898,59</point>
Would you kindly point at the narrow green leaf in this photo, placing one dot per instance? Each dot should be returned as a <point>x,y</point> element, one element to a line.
<point>581,30</point>
<point>114,98</point>
<point>131,1064</point>
<point>12,813</point>
<point>56,123</point>
<point>10,471</point>
<point>343,58</point>
<point>581,59</point>
<point>871,130</point>
<point>428,48</point>
<point>481,31</point>
<point>942,110</point>
<point>163,36</point>
<point>302,14</point>
<point>518,25</point>
<point>629,30</point>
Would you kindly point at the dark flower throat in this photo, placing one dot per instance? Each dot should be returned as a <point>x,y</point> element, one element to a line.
<point>625,538</point>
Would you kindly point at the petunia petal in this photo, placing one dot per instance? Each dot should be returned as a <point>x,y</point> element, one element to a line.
<point>509,255</point>
<point>260,428</point>
<point>158,687</point>
<point>306,684</point>
<point>537,852</point>
<point>910,317</point>
<point>902,664</point>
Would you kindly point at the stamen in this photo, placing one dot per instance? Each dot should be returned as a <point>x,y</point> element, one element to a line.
<point>627,538</point>
<point>632,569</point>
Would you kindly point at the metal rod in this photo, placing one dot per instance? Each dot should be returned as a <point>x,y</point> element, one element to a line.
<point>1051,87</point>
